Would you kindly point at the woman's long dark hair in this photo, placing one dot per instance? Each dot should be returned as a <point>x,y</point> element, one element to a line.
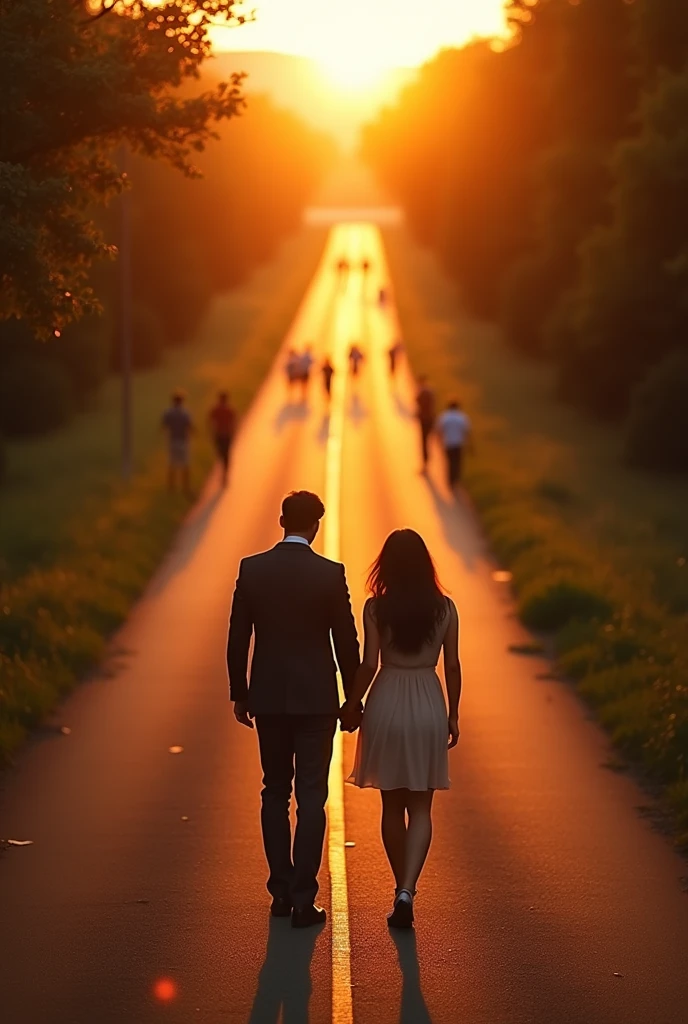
<point>409,603</point>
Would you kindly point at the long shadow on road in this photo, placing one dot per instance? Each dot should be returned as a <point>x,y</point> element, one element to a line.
<point>284,983</point>
<point>458,524</point>
<point>413,1008</point>
<point>189,537</point>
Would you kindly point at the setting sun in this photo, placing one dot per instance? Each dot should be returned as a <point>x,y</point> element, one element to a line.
<point>358,42</point>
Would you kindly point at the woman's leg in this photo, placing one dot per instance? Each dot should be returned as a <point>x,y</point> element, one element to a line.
<point>418,836</point>
<point>394,830</point>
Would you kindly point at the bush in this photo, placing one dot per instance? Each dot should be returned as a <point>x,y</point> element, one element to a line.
<point>35,396</point>
<point>657,428</point>
<point>553,604</point>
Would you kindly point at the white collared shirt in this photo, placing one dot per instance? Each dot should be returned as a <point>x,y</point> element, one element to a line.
<point>294,539</point>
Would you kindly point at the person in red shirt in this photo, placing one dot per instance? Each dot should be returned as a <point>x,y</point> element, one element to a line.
<point>222,418</point>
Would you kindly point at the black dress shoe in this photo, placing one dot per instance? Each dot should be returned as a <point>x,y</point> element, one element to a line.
<point>280,907</point>
<point>306,917</point>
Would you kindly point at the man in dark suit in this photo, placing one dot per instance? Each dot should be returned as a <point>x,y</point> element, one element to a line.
<point>296,605</point>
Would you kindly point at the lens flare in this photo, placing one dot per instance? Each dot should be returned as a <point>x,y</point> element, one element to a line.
<point>165,990</point>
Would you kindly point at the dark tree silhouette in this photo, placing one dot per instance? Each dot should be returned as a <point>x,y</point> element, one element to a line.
<point>77,80</point>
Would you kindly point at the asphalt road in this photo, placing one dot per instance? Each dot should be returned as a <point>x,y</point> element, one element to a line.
<point>547,896</point>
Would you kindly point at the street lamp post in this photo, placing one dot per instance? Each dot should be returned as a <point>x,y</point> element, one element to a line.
<point>125,309</point>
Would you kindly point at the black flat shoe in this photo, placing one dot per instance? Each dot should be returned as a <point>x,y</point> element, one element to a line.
<point>402,915</point>
<point>280,907</point>
<point>306,917</point>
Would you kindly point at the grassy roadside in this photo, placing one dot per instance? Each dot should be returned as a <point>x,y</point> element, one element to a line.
<point>76,546</point>
<point>598,552</point>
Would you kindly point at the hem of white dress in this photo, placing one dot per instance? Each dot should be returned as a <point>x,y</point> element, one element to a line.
<point>389,789</point>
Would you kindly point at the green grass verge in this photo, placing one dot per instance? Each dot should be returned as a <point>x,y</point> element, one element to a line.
<point>598,552</point>
<point>76,545</point>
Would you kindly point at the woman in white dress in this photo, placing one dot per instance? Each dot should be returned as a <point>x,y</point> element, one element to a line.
<point>406,730</point>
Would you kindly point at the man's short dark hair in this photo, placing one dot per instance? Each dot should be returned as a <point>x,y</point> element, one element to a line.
<point>301,510</point>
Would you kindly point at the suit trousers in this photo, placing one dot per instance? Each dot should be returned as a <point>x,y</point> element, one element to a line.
<point>294,749</point>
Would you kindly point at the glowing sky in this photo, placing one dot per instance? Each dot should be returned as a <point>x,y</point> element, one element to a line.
<point>370,35</point>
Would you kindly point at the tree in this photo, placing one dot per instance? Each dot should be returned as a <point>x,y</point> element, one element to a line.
<point>77,80</point>
<point>630,304</point>
<point>657,429</point>
<point>593,94</point>
<point>662,33</point>
<point>459,148</point>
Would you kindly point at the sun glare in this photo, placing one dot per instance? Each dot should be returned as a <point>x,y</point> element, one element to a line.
<point>347,73</point>
<point>358,42</point>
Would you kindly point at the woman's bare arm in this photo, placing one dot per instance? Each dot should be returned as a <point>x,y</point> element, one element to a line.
<point>350,713</point>
<point>452,673</point>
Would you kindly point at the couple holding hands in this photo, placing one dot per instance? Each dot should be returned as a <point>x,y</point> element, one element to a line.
<point>294,605</point>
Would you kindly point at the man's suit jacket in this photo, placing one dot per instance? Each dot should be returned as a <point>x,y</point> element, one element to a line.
<point>291,600</point>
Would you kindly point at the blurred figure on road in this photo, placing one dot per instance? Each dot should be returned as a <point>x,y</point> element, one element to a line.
<point>342,266</point>
<point>305,365</point>
<point>406,732</point>
<point>394,353</point>
<point>178,425</point>
<point>382,298</point>
<point>291,368</point>
<point>356,357</point>
<point>454,427</point>
<point>425,413</point>
<point>222,419</point>
<point>327,371</point>
<point>365,266</point>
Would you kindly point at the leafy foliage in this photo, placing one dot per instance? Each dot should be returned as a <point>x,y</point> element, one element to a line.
<point>192,238</point>
<point>35,396</point>
<point>77,81</point>
<point>657,433</point>
<point>630,304</point>
<point>559,184</point>
<point>461,159</point>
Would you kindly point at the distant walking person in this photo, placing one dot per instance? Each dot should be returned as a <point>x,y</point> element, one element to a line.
<point>356,357</point>
<point>407,726</point>
<point>327,371</point>
<point>425,413</point>
<point>365,266</point>
<point>222,419</point>
<point>178,425</point>
<point>292,369</point>
<point>393,353</point>
<point>305,365</point>
<point>295,606</point>
<point>382,298</point>
<point>454,428</point>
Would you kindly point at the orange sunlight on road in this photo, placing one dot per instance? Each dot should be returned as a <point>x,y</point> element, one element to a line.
<point>358,42</point>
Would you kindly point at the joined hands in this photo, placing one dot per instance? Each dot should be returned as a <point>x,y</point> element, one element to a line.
<point>350,715</point>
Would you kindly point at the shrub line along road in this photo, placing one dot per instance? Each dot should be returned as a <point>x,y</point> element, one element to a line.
<point>547,897</point>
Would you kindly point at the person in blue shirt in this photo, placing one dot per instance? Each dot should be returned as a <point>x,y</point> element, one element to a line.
<point>178,425</point>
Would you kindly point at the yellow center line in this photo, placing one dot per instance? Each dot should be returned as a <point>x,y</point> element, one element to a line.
<point>342,1008</point>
